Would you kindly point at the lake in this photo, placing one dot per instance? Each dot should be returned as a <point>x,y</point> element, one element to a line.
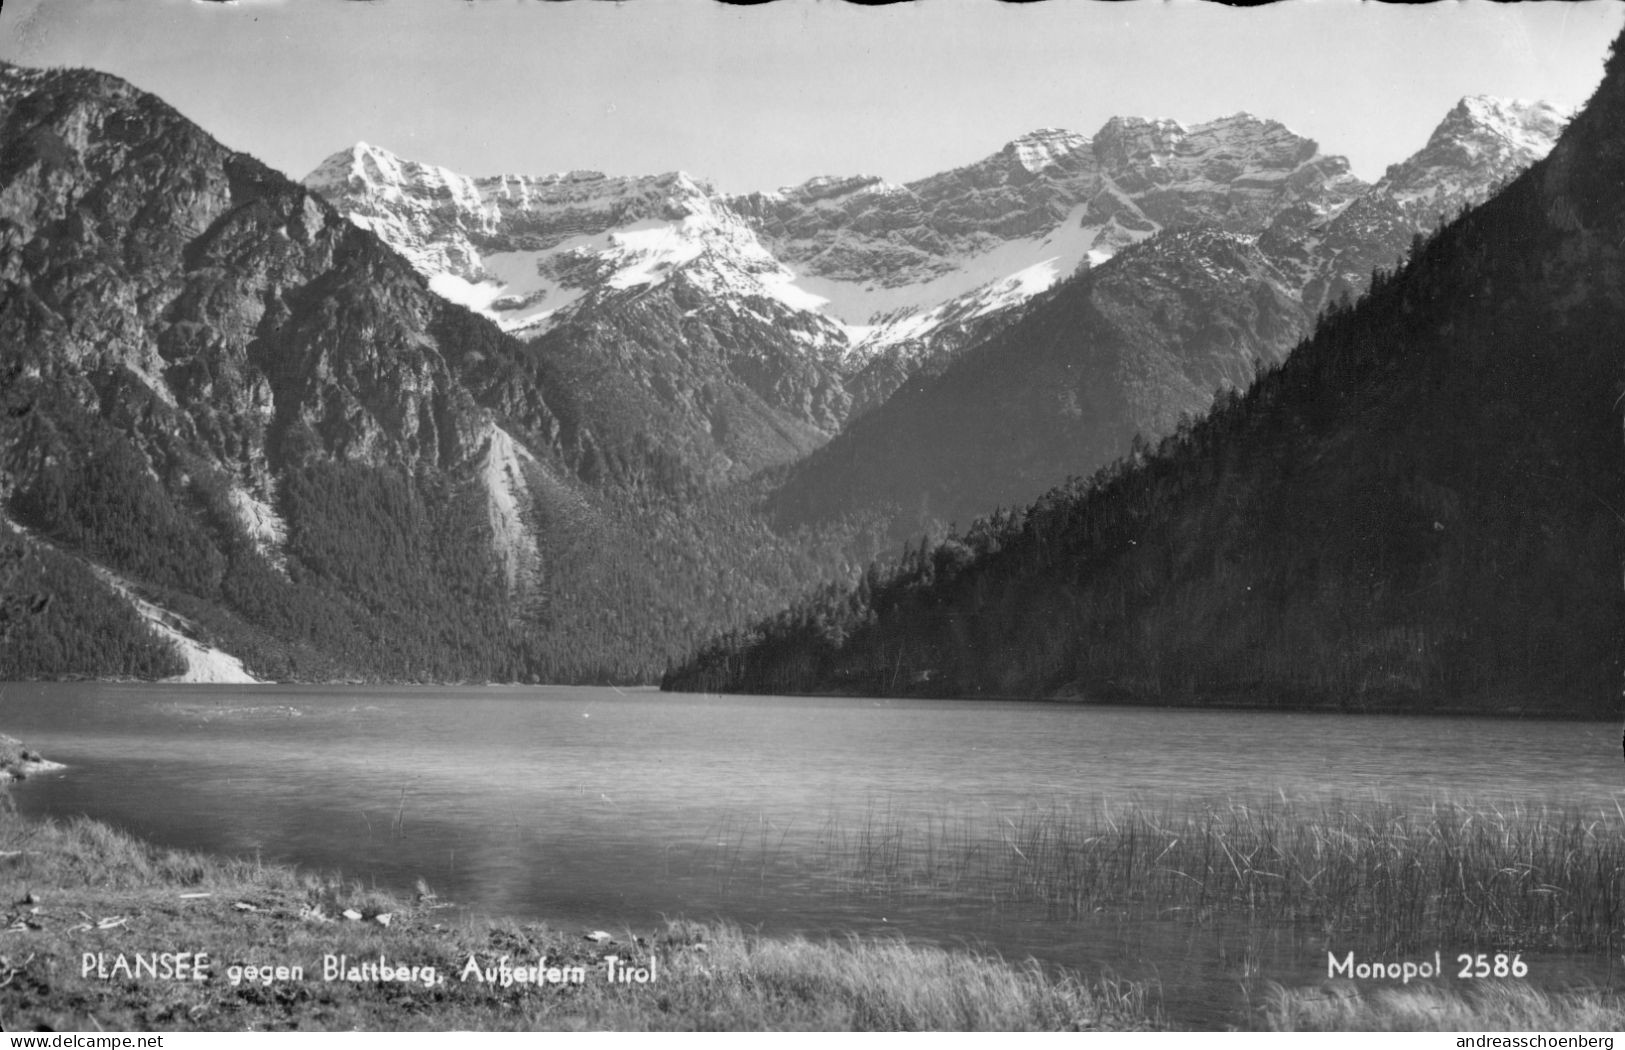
<point>609,808</point>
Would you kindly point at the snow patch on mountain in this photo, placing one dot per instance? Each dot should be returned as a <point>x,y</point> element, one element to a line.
<point>526,251</point>
<point>875,316</point>
<point>832,192</point>
<point>1041,149</point>
<point>520,289</point>
<point>1003,294</point>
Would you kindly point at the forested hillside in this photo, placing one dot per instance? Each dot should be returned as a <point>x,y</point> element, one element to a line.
<point>1421,508</point>
<point>222,397</point>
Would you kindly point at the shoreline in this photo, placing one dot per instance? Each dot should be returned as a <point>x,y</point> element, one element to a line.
<point>1503,711</point>
<point>104,932</point>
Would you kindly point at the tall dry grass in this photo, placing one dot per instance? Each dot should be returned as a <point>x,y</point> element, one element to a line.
<point>1395,876</point>
<point>1490,1007</point>
<point>745,981</point>
<point>76,886</point>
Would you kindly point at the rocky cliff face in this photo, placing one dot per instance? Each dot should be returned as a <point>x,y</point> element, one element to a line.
<point>1235,173</point>
<point>1133,178</point>
<point>230,311</point>
<point>867,232</point>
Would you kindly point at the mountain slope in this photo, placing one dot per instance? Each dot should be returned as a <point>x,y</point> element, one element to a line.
<point>199,342</point>
<point>1130,346</point>
<point>1123,350</point>
<point>1419,509</point>
<point>257,414</point>
<point>653,301</point>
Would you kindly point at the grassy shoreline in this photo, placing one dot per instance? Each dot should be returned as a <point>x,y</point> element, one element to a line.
<point>82,896</point>
<point>84,907</point>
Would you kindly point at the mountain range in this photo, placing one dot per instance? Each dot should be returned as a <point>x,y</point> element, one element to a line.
<point>1417,509</point>
<point>747,330</point>
<point>398,423</point>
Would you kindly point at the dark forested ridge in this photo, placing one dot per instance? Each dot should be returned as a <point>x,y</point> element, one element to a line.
<point>1421,508</point>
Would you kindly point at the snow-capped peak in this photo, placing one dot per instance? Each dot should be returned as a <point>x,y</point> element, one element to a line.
<point>894,266</point>
<point>830,188</point>
<point>1040,149</point>
<point>524,249</point>
<point>1243,118</point>
<point>384,174</point>
<point>1480,141</point>
<point>1525,125</point>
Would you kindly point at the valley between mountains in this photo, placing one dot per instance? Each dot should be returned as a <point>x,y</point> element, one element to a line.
<point>402,423</point>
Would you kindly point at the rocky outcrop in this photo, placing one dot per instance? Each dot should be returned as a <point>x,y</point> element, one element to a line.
<point>19,763</point>
<point>218,306</point>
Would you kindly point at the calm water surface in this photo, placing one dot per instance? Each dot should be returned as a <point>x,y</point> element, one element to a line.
<point>611,808</point>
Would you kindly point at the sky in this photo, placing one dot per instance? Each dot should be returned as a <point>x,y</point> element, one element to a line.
<point>753,98</point>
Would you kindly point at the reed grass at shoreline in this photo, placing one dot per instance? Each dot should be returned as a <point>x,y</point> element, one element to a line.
<point>1377,874</point>
<point>85,906</point>
<point>96,924</point>
<point>1492,1007</point>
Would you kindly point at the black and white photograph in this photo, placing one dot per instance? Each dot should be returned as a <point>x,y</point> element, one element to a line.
<point>678,516</point>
